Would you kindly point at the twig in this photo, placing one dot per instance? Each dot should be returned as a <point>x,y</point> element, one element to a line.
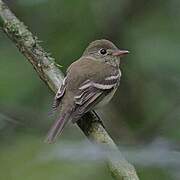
<point>46,68</point>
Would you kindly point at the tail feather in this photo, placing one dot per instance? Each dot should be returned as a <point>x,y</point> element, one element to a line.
<point>57,127</point>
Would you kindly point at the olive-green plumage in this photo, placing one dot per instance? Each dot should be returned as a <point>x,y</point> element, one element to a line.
<point>91,81</point>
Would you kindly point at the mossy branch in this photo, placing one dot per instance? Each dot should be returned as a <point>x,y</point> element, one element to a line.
<point>46,68</point>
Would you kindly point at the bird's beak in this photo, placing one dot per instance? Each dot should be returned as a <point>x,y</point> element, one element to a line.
<point>120,53</point>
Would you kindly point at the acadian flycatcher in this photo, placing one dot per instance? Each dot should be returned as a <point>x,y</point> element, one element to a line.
<point>91,82</point>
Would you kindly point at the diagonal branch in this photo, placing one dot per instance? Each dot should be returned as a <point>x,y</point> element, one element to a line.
<point>47,70</point>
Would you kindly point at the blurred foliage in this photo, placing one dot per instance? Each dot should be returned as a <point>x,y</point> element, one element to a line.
<point>146,106</point>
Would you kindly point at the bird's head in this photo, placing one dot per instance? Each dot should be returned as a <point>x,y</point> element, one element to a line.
<point>105,51</point>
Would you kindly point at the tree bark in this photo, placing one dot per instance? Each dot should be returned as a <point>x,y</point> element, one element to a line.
<point>46,68</point>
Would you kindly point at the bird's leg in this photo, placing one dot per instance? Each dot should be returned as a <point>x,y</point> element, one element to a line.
<point>98,119</point>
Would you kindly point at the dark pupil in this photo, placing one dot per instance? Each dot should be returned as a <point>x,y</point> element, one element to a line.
<point>103,51</point>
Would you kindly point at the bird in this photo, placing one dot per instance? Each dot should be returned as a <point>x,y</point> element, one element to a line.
<point>90,83</point>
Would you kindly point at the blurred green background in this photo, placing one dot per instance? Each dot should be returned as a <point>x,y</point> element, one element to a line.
<point>143,118</point>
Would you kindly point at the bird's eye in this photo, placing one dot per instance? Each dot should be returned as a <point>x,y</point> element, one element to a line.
<point>103,51</point>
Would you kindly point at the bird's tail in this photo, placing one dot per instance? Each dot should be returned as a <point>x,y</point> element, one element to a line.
<point>58,127</point>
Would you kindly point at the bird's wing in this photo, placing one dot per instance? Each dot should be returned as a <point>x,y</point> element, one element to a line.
<point>59,95</point>
<point>90,94</point>
<point>90,81</point>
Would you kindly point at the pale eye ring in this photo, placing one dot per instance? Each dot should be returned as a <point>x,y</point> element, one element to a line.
<point>103,51</point>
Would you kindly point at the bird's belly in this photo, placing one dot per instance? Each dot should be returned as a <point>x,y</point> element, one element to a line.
<point>106,99</point>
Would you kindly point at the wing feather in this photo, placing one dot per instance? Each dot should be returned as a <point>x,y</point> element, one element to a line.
<point>59,95</point>
<point>91,93</point>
